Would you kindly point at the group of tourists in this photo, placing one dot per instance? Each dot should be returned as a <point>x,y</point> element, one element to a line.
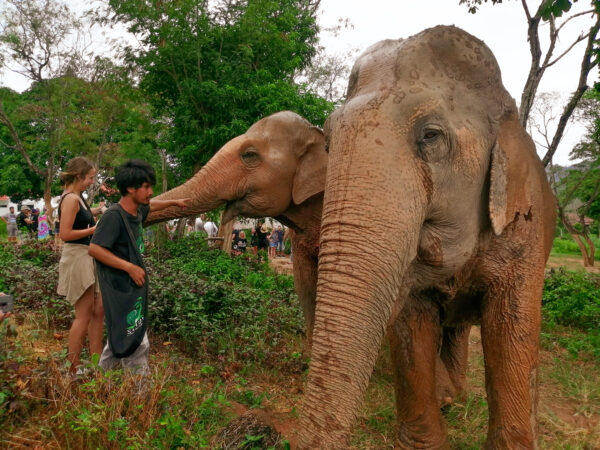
<point>28,224</point>
<point>261,238</point>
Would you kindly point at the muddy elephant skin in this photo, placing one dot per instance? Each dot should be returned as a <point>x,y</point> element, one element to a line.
<point>276,169</point>
<point>437,215</point>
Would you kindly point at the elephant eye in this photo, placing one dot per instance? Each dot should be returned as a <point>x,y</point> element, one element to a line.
<point>430,135</point>
<point>250,156</point>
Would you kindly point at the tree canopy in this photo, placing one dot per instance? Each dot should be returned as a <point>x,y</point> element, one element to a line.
<point>213,71</point>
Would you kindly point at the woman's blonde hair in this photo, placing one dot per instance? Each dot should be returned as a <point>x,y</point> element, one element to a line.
<point>76,168</point>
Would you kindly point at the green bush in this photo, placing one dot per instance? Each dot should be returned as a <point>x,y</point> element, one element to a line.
<point>571,310</point>
<point>567,245</point>
<point>572,299</point>
<point>209,301</point>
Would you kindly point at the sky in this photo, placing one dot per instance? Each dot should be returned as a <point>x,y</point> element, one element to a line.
<point>502,27</point>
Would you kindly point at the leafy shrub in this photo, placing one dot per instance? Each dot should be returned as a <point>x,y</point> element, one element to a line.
<point>209,301</point>
<point>572,299</point>
<point>567,245</point>
<point>29,271</point>
<point>571,309</point>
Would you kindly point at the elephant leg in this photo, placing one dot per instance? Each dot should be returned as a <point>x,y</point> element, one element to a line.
<point>414,339</point>
<point>454,359</point>
<point>510,331</point>
<point>305,284</point>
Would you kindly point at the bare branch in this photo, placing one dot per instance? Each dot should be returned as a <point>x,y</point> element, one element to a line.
<point>590,11</point>
<point>577,41</point>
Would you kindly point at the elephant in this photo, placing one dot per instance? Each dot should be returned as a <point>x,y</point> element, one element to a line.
<point>257,185</point>
<point>428,147</point>
<point>276,169</point>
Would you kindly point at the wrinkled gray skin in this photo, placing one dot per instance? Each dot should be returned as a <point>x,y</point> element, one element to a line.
<point>428,149</point>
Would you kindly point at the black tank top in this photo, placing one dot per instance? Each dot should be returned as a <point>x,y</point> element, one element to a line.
<point>83,220</point>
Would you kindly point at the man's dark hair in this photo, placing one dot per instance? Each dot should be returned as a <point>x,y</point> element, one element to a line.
<point>133,174</point>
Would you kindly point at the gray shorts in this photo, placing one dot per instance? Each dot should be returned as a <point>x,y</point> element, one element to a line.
<point>12,230</point>
<point>137,362</point>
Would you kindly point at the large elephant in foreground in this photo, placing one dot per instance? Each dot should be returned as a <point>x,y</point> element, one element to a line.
<point>437,214</point>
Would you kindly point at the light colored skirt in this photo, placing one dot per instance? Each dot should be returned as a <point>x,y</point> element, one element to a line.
<point>76,272</point>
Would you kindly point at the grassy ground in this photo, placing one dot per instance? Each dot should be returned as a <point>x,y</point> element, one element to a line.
<point>189,401</point>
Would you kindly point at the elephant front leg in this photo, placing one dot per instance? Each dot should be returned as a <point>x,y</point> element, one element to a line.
<point>414,339</point>
<point>510,331</point>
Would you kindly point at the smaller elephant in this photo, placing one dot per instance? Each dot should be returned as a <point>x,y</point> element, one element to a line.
<point>277,169</point>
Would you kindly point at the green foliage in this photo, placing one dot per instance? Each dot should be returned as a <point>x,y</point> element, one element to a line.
<point>548,8</point>
<point>215,69</point>
<point>230,306</point>
<point>30,273</point>
<point>566,245</point>
<point>572,299</point>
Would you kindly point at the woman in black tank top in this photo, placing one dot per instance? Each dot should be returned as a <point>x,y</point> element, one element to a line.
<point>77,274</point>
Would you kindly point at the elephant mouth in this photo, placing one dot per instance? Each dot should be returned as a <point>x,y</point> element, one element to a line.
<point>233,208</point>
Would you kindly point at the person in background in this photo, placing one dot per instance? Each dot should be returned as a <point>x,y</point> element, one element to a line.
<point>33,227</point>
<point>43,229</point>
<point>235,235</point>
<point>76,271</point>
<point>242,243</point>
<point>273,242</point>
<point>280,246</point>
<point>11,224</point>
<point>211,228</point>
<point>24,223</point>
<point>263,233</point>
<point>199,223</point>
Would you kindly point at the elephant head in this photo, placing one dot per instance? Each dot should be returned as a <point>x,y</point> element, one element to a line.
<point>279,163</point>
<point>428,170</point>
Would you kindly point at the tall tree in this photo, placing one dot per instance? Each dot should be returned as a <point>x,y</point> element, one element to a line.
<point>213,69</point>
<point>579,186</point>
<point>555,14</point>
<point>34,41</point>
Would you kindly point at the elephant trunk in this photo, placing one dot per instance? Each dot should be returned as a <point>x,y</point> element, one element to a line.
<point>209,188</point>
<point>369,237</point>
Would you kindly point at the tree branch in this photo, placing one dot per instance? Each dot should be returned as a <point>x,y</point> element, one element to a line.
<point>577,41</point>
<point>586,66</point>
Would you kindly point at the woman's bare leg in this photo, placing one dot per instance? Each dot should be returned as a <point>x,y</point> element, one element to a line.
<point>96,326</point>
<point>83,314</point>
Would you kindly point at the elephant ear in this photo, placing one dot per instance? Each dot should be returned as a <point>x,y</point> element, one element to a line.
<point>510,172</point>
<point>310,174</point>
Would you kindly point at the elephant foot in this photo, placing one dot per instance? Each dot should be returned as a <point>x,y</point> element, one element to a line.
<point>408,438</point>
<point>501,439</point>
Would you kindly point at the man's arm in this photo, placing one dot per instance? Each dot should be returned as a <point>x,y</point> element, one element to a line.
<point>108,258</point>
<point>157,205</point>
<point>98,210</point>
<point>4,220</point>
